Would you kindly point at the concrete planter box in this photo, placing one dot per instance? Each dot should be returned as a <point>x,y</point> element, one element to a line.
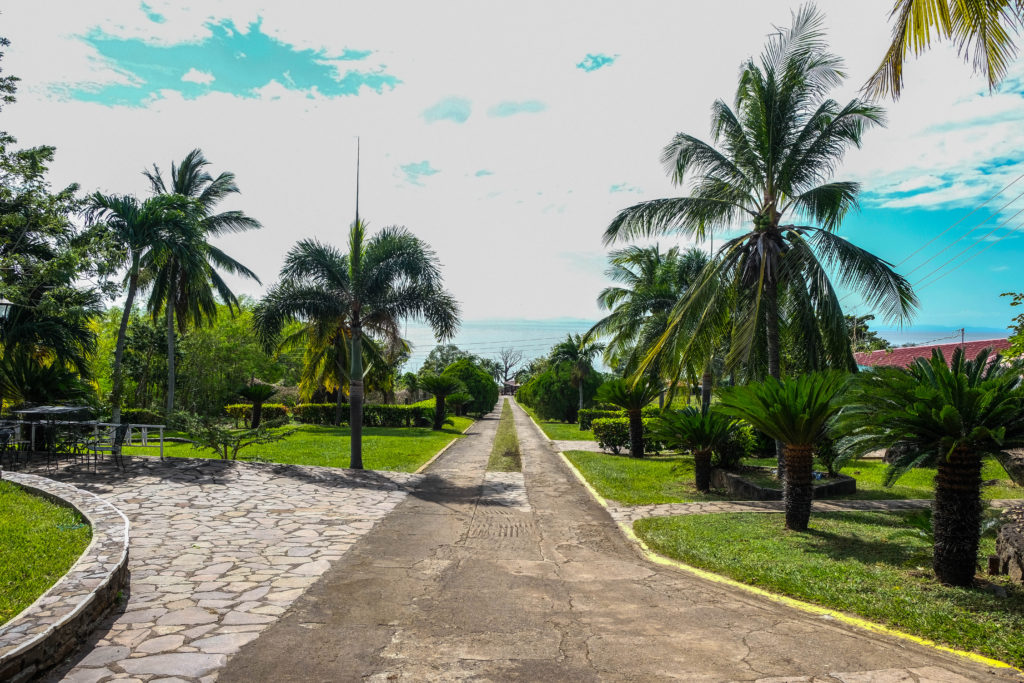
<point>741,488</point>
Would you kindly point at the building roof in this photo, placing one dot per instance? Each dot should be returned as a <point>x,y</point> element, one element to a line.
<point>903,357</point>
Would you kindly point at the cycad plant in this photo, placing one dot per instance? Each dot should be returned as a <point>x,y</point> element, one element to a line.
<point>632,397</point>
<point>258,393</point>
<point>797,412</point>
<point>441,386</point>
<point>702,433</point>
<point>950,414</point>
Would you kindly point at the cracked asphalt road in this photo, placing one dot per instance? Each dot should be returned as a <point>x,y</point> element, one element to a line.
<point>453,586</point>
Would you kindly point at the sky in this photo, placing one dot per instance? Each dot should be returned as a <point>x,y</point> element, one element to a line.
<point>505,135</point>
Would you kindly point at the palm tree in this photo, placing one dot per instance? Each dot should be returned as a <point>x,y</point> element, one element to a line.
<point>441,386</point>
<point>952,415</point>
<point>773,154</point>
<point>798,412</point>
<point>343,298</point>
<point>984,28</point>
<point>137,227</point>
<point>702,432</point>
<point>411,381</point>
<point>258,393</point>
<point>632,397</point>
<point>580,353</point>
<point>182,271</point>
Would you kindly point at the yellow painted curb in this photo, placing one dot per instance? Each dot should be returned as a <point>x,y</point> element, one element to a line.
<point>782,599</point>
<point>441,452</point>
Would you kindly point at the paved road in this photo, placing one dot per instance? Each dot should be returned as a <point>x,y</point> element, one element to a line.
<point>456,585</point>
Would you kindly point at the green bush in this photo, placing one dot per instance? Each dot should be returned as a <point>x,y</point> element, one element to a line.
<point>587,416</point>
<point>319,413</point>
<point>613,433</point>
<point>239,412</point>
<point>553,396</point>
<point>478,383</point>
<point>374,414</point>
<point>141,416</point>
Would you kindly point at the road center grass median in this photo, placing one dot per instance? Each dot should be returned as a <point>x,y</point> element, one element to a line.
<point>876,565</point>
<point>39,541</point>
<point>400,449</point>
<point>505,455</point>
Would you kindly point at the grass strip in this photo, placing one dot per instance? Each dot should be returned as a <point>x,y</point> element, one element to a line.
<point>505,451</point>
<point>876,565</point>
<point>39,541</point>
<point>399,449</point>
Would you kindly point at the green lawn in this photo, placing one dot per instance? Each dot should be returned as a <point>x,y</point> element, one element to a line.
<point>560,431</point>
<point>39,541</point>
<point>505,455</point>
<point>664,478</point>
<point>384,448</point>
<point>871,564</point>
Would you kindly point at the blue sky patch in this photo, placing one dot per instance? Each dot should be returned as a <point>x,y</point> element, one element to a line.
<point>482,172</point>
<point>153,16</point>
<point>593,62</point>
<point>510,108</point>
<point>415,171</point>
<point>240,64</point>
<point>455,109</point>
<point>623,187</point>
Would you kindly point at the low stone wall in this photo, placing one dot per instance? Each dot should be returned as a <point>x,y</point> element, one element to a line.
<point>58,622</point>
<point>744,489</point>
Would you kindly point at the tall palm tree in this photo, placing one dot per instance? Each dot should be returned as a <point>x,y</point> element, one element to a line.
<point>355,297</point>
<point>982,30</point>
<point>183,270</point>
<point>798,412</point>
<point>773,154</point>
<point>137,227</point>
<point>950,414</point>
<point>580,353</point>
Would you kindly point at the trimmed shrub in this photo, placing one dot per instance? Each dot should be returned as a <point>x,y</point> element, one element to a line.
<point>374,414</point>
<point>613,433</point>
<point>242,412</point>
<point>478,383</point>
<point>318,413</point>
<point>141,416</point>
<point>587,416</point>
<point>553,396</point>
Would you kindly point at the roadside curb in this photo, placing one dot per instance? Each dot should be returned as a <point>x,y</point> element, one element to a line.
<point>810,608</point>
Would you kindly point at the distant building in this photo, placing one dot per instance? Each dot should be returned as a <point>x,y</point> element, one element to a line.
<point>509,388</point>
<point>903,357</point>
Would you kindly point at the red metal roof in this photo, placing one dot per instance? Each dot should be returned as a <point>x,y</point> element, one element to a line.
<point>905,356</point>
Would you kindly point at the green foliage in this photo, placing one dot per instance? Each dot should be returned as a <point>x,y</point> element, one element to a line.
<point>459,400</point>
<point>629,395</point>
<point>242,412</point>
<point>587,416</point>
<point>374,415</point>
<point>554,396</point>
<point>862,337</point>
<point>1017,334</point>
<point>316,413</point>
<point>690,429</point>
<point>505,455</point>
<point>613,433</point>
<point>257,392</point>
<point>797,411</point>
<point>442,356</point>
<point>477,382</point>
<point>141,416</point>
<point>227,443</point>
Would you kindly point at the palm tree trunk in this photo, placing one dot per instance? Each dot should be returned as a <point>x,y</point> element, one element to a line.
<point>956,517</point>
<point>798,491</point>
<point>170,352</point>
<point>257,414</point>
<point>636,434</point>
<point>355,397</point>
<point>122,333</point>
<point>705,390</point>
<point>771,322</point>
<point>338,403</point>
<point>702,470</point>
<point>581,394</point>
<point>438,412</point>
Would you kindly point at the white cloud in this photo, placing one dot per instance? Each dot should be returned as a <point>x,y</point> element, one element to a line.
<point>194,75</point>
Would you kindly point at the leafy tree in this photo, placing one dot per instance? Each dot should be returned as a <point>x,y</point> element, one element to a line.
<point>702,432</point>
<point>411,382</point>
<point>631,397</point>
<point>1017,336</point>
<point>798,412</point>
<point>181,270</point>
<point>440,357</point>
<point>441,386</point>
<point>863,338</point>
<point>206,433</point>
<point>579,353</point>
<point>982,30</point>
<point>381,280</point>
<point>477,382</point>
<point>773,154</point>
<point>954,415</point>
<point>552,393</point>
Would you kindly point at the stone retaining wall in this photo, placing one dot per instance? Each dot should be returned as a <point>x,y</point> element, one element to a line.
<point>58,622</point>
<point>744,489</point>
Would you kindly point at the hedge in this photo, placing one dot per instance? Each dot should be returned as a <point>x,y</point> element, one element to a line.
<point>374,415</point>
<point>587,416</point>
<point>242,412</point>
<point>613,433</point>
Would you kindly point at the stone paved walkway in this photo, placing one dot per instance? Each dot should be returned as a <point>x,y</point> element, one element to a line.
<point>631,513</point>
<point>218,552</point>
<point>507,489</point>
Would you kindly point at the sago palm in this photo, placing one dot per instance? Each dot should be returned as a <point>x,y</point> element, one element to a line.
<point>798,412</point>
<point>632,396</point>
<point>258,393</point>
<point>953,415</point>
<point>701,432</point>
<point>441,386</point>
<point>580,353</point>
<point>770,163</point>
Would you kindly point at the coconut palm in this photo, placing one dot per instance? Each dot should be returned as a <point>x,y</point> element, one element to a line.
<point>798,412</point>
<point>983,31</point>
<point>441,386</point>
<point>952,415</point>
<point>632,397</point>
<point>136,227</point>
<point>580,353</point>
<point>773,154</point>
<point>347,301</point>
<point>182,269</point>
<point>702,432</point>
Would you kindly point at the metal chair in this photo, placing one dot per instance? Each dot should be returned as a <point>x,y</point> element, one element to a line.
<point>114,446</point>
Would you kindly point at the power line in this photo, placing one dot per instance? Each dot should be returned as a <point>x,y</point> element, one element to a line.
<point>971,246</point>
<point>1011,232</point>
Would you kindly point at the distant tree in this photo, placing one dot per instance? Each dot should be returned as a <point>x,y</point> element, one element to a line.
<point>1017,336</point>
<point>411,382</point>
<point>579,354</point>
<point>508,361</point>
<point>862,338</point>
<point>440,357</point>
<point>477,382</point>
